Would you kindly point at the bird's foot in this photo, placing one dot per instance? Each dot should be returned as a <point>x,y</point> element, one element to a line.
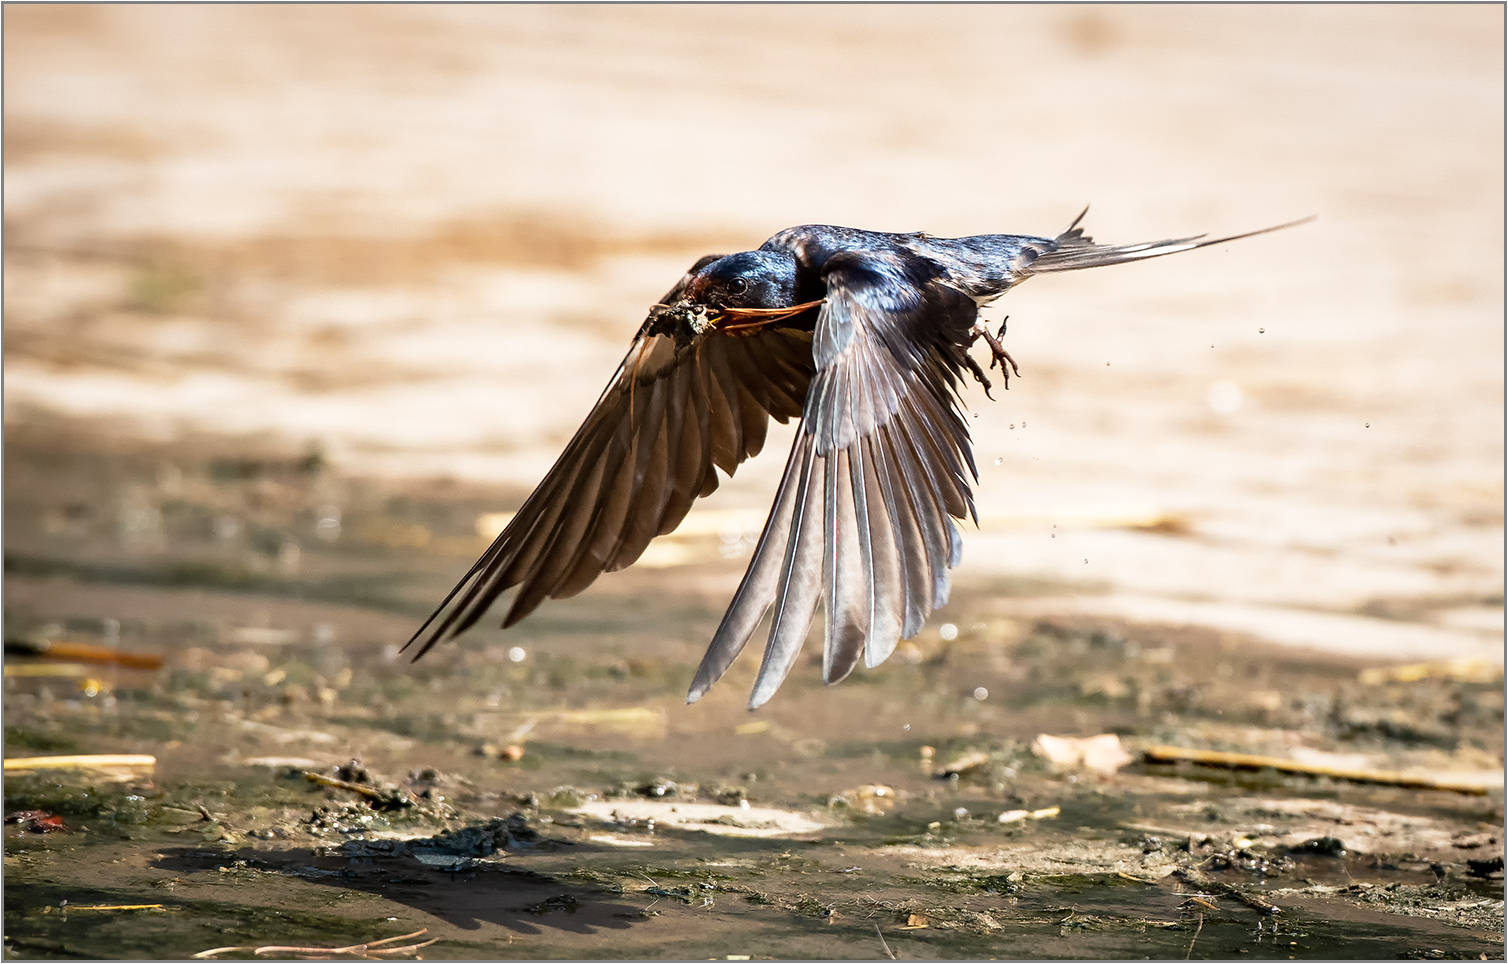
<point>998,355</point>
<point>979,375</point>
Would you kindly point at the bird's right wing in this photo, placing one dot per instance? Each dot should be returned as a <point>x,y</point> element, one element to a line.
<point>677,409</point>
<point>863,517</point>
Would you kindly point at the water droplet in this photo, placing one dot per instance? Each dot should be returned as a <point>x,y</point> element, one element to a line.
<point>948,631</point>
<point>1366,424</point>
<point>998,461</point>
<point>1261,331</point>
<point>517,654</point>
<point>907,727</point>
<point>1086,562</point>
<point>981,694</point>
<point>1107,364</point>
<point>1013,425</point>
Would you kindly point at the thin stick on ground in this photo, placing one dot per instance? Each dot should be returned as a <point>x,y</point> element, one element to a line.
<point>355,950</point>
<point>1190,951</point>
<point>82,760</point>
<point>372,793</point>
<point>1199,878</point>
<point>1248,761</point>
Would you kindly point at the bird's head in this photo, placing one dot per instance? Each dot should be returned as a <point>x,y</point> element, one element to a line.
<point>749,279</point>
<point>737,293</point>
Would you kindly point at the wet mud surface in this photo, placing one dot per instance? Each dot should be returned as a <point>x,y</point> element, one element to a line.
<point>546,793</point>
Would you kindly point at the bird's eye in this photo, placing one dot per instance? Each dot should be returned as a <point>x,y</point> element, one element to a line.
<point>738,286</point>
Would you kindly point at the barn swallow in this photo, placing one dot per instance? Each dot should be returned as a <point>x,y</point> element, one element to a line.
<point>862,335</point>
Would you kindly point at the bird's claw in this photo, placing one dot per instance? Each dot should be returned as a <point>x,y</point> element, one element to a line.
<point>979,375</point>
<point>998,355</point>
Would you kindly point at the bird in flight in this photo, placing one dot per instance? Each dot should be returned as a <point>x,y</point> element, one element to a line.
<point>862,335</point>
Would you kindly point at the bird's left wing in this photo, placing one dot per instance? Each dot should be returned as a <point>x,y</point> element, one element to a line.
<point>863,517</point>
<point>679,407</point>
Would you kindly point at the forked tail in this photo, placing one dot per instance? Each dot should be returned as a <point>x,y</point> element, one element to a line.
<point>1073,249</point>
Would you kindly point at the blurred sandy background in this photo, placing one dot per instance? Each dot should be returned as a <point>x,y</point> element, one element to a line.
<point>420,238</point>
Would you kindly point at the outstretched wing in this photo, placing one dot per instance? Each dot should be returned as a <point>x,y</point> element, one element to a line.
<point>676,410</point>
<point>863,517</point>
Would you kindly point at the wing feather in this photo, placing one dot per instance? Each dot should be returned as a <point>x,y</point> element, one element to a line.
<point>757,589</point>
<point>800,584</point>
<point>884,561</point>
<point>724,431</point>
<point>670,417</point>
<point>911,543</point>
<point>849,593</point>
<point>863,519</point>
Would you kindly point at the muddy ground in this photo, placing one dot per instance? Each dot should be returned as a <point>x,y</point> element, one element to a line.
<point>299,299</point>
<point>525,793</point>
